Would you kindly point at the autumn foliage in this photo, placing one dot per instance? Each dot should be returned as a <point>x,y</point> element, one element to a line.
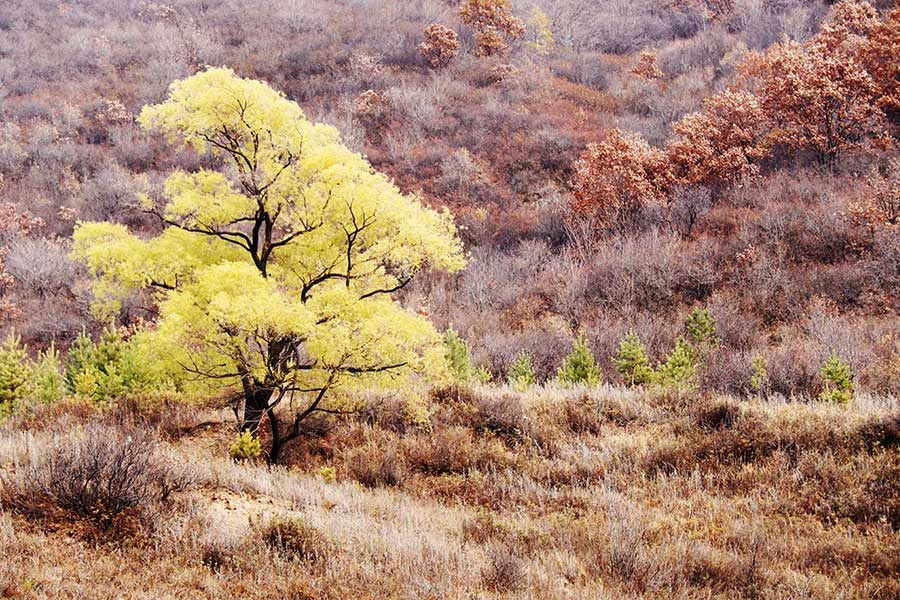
<point>879,55</point>
<point>616,177</point>
<point>719,144</point>
<point>494,25</point>
<point>646,66</point>
<point>819,96</point>
<point>822,99</point>
<point>439,46</point>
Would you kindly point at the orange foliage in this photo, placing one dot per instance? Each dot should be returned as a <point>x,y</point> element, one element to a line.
<point>646,66</point>
<point>490,43</point>
<point>721,143</point>
<point>614,178</point>
<point>493,23</point>
<point>819,95</point>
<point>439,46</point>
<point>881,56</point>
<point>824,97</point>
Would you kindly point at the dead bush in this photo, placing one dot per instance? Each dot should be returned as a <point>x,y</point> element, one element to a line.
<point>504,415</point>
<point>101,474</point>
<point>720,414</point>
<point>626,555</point>
<point>505,571</point>
<point>581,416</point>
<point>747,440</point>
<point>296,538</point>
<point>219,553</point>
<point>587,414</point>
<point>880,433</point>
<point>453,450</point>
<point>863,489</point>
<point>376,463</point>
<point>487,528</point>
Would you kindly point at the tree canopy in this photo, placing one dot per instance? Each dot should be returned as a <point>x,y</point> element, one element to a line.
<point>275,272</point>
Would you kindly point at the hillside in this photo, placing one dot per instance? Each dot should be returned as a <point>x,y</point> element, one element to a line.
<point>450,299</point>
<point>782,258</point>
<point>550,494</point>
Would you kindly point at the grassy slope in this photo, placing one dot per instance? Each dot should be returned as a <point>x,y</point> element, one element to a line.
<point>551,494</point>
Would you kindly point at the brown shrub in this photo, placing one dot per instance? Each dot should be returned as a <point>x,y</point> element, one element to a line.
<point>439,45</point>
<point>720,414</point>
<point>111,477</point>
<point>863,489</point>
<point>218,553</point>
<point>490,43</point>
<point>747,440</point>
<point>378,462</point>
<point>504,415</point>
<point>453,450</point>
<point>582,416</point>
<point>505,571</point>
<point>494,24</point>
<point>487,528</point>
<point>626,557</point>
<point>296,538</point>
<point>880,433</point>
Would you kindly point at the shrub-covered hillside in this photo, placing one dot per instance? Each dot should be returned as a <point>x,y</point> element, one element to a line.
<point>743,161</point>
<point>549,494</point>
<point>564,299</point>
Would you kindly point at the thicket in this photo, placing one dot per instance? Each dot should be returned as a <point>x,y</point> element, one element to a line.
<point>112,477</point>
<point>751,225</point>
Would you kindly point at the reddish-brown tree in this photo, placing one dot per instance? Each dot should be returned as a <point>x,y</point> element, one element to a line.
<point>819,95</point>
<point>646,66</point>
<point>719,144</point>
<point>615,178</point>
<point>439,46</point>
<point>493,23</point>
<point>881,57</point>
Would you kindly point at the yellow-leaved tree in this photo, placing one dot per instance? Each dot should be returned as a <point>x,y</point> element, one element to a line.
<point>276,272</point>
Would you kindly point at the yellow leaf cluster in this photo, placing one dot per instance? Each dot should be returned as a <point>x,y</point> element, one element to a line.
<point>293,242</point>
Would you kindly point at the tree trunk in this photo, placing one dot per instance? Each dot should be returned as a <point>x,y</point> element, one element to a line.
<point>277,442</point>
<point>256,408</point>
<point>256,403</point>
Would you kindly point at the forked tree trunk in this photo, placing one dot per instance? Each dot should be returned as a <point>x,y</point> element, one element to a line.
<point>256,408</point>
<point>256,403</point>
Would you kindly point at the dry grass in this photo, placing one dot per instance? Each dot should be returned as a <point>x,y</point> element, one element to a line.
<point>551,494</point>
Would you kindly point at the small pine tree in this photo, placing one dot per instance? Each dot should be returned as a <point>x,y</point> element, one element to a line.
<point>14,372</point>
<point>838,380</point>
<point>679,371</point>
<point>458,360</point>
<point>521,372</point>
<point>46,377</point>
<point>107,369</point>
<point>579,366</point>
<point>246,446</point>
<point>632,362</point>
<point>760,378</point>
<point>701,327</point>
